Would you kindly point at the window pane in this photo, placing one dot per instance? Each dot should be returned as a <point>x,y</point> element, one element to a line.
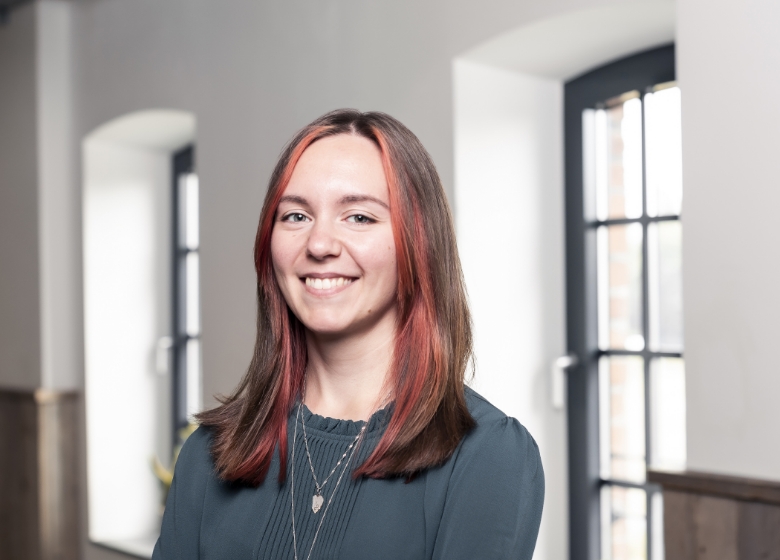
<point>624,535</point>
<point>620,287</point>
<point>667,414</point>
<point>194,383</point>
<point>192,290</point>
<point>663,152</point>
<point>622,416</point>
<point>193,226</point>
<point>665,285</point>
<point>619,160</point>
<point>657,551</point>
<point>189,225</point>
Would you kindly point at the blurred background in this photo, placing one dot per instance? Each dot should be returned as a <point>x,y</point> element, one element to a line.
<point>612,169</point>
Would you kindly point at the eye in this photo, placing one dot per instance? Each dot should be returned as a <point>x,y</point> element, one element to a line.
<point>360,219</point>
<point>294,217</point>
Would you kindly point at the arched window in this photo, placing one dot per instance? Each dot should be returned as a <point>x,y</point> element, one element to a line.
<point>139,234</point>
<point>624,301</point>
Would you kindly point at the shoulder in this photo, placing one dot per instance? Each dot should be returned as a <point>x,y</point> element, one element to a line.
<point>180,530</point>
<point>198,445</point>
<point>494,489</point>
<point>498,437</point>
<point>194,464</point>
<point>480,408</point>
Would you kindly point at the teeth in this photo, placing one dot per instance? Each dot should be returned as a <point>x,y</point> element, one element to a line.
<point>327,283</point>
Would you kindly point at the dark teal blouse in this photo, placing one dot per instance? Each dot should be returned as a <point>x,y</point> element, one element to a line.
<point>484,503</point>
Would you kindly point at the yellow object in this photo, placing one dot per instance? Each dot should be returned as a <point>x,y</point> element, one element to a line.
<point>166,475</point>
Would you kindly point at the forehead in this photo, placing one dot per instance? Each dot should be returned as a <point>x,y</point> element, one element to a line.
<point>339,165</point>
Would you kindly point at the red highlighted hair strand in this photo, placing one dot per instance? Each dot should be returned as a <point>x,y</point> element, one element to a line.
<point>433,338</point>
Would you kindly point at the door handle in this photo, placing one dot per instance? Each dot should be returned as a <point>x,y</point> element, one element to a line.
<point>163,355</point>
<point>558,379</point>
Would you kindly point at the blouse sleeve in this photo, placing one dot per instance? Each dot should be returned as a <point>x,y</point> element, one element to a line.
<point>180,531</point>
<point>495,495</point>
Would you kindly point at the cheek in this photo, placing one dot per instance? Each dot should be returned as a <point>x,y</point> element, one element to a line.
<point>377,259</point>
<point>282,255</point>
<point>282,252</point>
<point>385,263</point>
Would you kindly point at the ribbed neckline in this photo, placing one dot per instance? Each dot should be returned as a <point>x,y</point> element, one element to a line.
<point>324,425</point>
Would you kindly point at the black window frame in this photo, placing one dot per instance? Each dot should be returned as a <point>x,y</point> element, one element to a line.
<point>636,72</point>
<point>183,163</point>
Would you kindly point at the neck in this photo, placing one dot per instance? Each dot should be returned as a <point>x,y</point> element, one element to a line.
<point>346,377</point>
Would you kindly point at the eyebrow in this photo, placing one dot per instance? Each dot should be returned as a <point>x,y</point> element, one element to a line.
<point>362,198</point>
<point>295,199</point>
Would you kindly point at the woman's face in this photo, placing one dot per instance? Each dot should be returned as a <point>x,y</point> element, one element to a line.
<point>332,245</point>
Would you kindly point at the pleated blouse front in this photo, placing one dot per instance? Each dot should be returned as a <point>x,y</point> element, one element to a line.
<point>328,439</point>
<point>484,502</point>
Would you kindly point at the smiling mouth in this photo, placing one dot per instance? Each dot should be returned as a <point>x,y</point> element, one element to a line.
<point>327,283</point>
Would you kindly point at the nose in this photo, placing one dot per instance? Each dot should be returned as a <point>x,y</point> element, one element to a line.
<point>323,241</point>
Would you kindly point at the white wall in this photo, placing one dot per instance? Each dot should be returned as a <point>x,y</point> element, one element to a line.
<point>728,56</point>
<point>509,189</point>
<point>40,342</point>
<point>59,282</point>
<point>575,41</point>
<point>20,349</point>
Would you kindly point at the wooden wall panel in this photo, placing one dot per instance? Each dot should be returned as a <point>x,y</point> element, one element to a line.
<point>700,527</point>
<point>19,528</point>
<point>715,522</point>
<point>39,505</point>
<point>58,475</point>
<point>712,517</point>
<point>679,532</point>
<point>759,531</point>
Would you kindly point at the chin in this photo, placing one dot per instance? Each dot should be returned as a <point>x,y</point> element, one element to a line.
<point>329,326</point>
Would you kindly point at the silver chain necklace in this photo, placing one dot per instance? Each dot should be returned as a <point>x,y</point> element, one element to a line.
<point>316,503</point>
<point>317,499</point>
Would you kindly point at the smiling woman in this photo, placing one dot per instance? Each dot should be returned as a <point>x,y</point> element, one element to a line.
<point>363,343</point>
<point>334,259</point>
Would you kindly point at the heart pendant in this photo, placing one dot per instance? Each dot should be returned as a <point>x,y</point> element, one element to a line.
<point>316,502</point>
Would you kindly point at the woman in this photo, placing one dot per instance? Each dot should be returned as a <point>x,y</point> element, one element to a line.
<point>352,435</point>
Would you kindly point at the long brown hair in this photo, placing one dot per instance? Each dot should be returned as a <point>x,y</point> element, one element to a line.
<point>433,334</point>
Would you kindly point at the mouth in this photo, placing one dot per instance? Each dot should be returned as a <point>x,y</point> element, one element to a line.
<point>322,285</point>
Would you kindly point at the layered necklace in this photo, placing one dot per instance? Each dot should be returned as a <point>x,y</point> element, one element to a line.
<point>317,499</point>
